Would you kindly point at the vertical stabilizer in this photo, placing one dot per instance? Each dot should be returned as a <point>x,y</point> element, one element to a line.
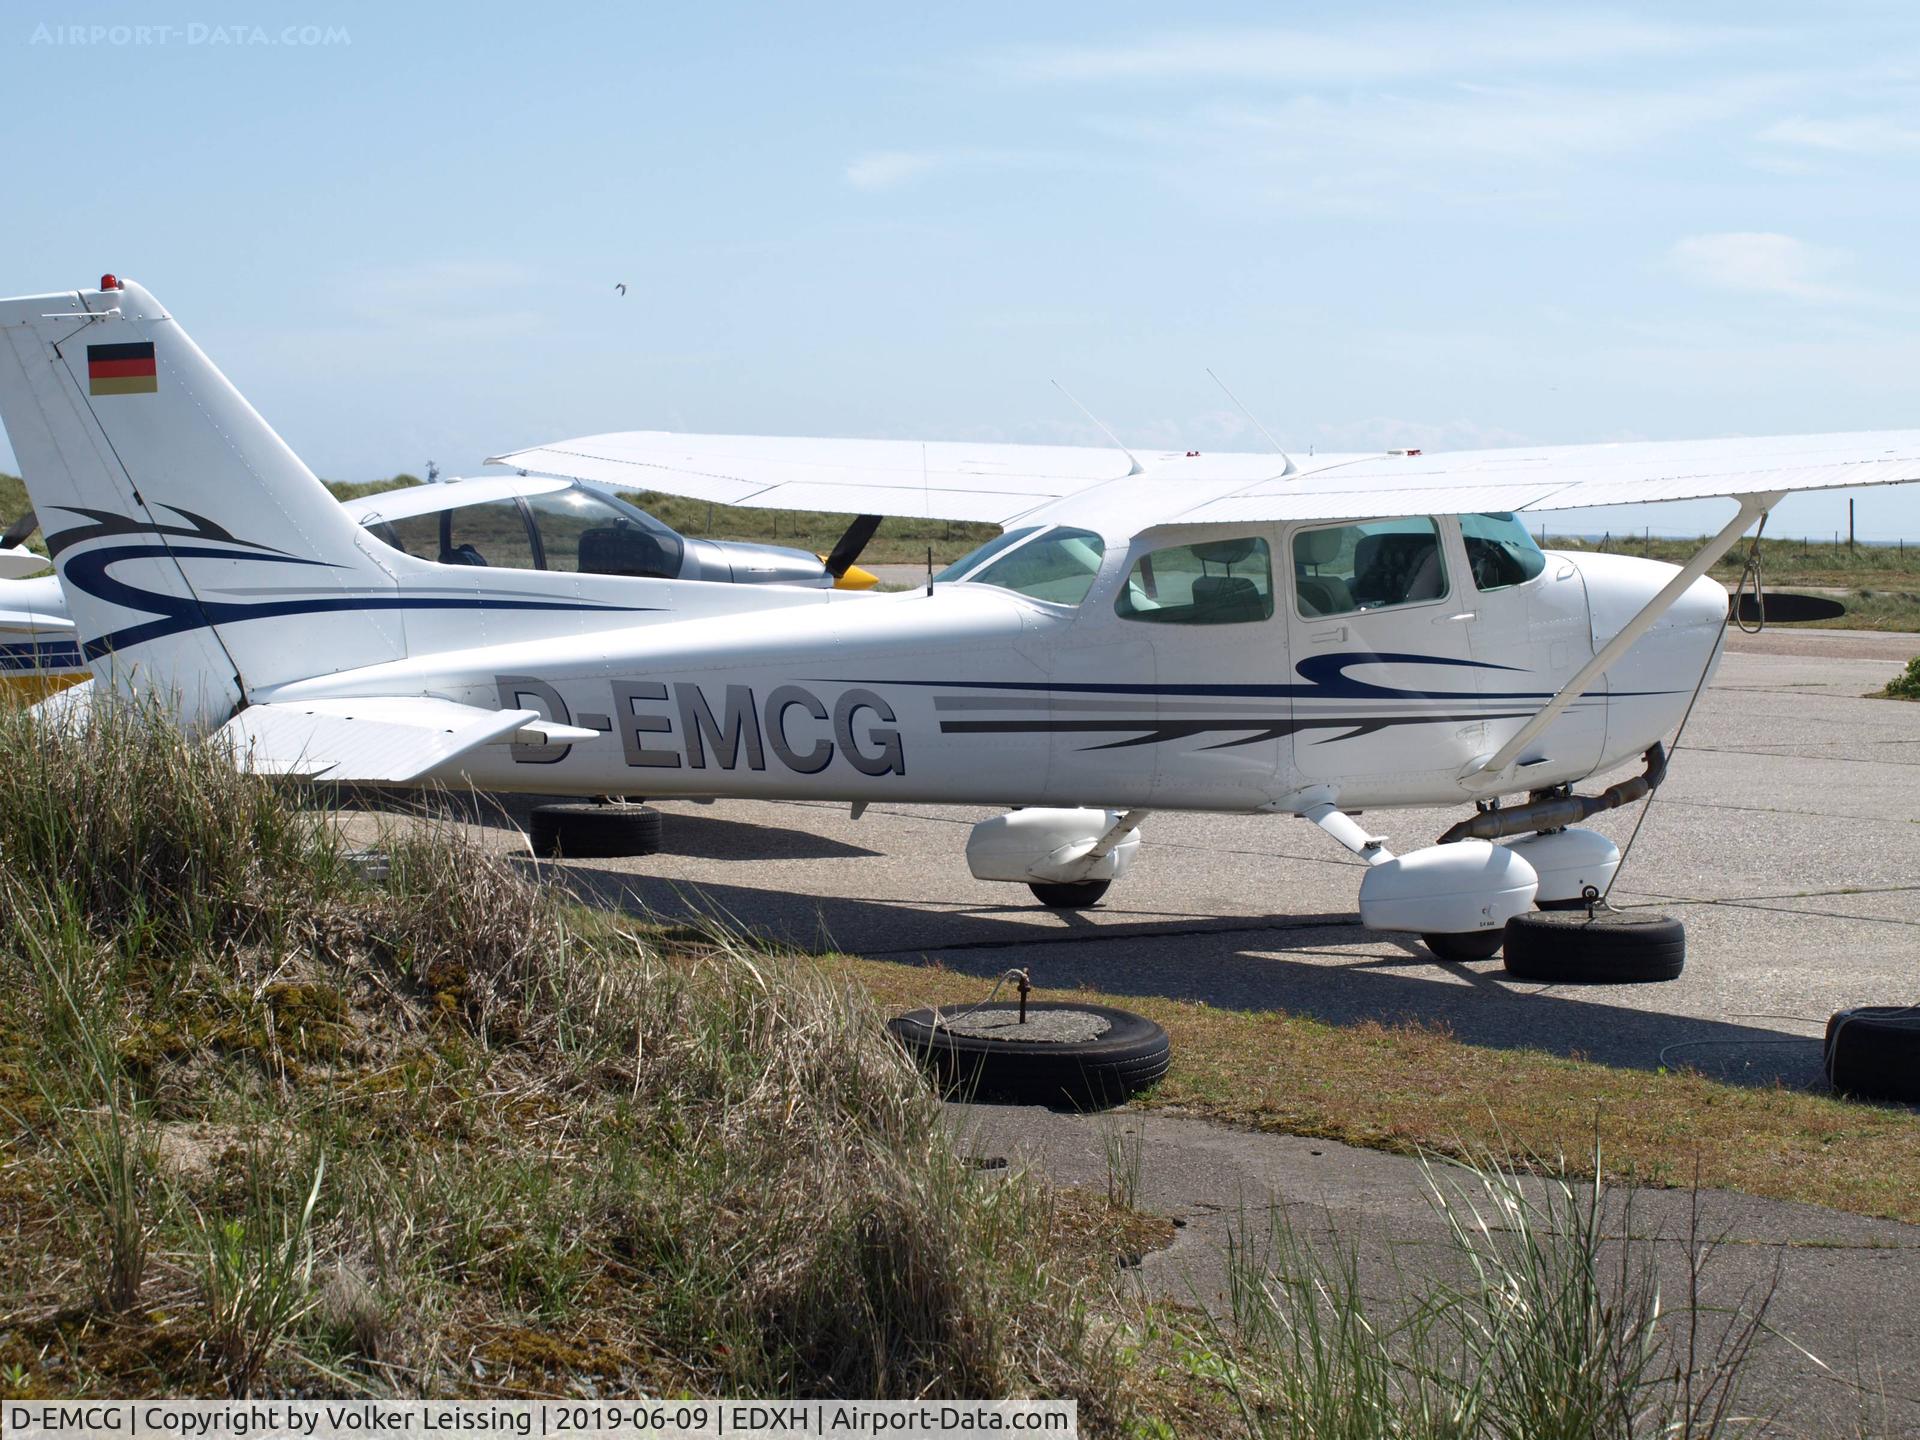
<point>129,439</point>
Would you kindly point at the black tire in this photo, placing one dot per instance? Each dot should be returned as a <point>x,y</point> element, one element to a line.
<point>1609,948</point>
<point>591,832</point>
<point>1470,945</point>
<point>1082,1075</point>
<point>1873,1051</point>
<point>1078,895</point>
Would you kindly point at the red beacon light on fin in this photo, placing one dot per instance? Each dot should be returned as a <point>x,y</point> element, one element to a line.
<point>111,282</point>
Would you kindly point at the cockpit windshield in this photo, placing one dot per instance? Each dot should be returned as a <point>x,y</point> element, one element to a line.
<point>1057,565</point>
<point>974,559</point>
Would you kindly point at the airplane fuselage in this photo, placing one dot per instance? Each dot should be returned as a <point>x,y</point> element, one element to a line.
<point>972,694</point>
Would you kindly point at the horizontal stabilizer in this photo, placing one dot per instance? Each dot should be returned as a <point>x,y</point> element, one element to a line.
<point>379,740</point>
<point>17,562</point>
<point>37,622</point>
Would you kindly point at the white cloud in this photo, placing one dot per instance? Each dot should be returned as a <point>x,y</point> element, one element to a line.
<point>883,169</point>
<point>1368,52</point>
<point>1857,135</point>
<point>1475,146</point>
<point>1761,263</point>
<point>1507,123</point>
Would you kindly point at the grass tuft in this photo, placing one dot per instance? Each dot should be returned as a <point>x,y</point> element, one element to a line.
<point>1546,1324</point>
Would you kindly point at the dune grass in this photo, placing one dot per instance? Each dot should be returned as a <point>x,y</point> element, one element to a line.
<point>269,1127</point>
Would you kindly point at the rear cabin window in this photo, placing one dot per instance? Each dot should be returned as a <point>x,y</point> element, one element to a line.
<point>1216,582</point>
<point>417,535</point>
<point>1373,565</point>
<point>1500,552</point>
<point>491,533</point>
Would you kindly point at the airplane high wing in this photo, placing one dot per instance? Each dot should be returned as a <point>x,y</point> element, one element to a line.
<point>942,480</point>
<point>998,483</point>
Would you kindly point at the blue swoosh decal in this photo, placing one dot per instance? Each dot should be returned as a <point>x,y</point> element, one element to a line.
<point>179,614</point>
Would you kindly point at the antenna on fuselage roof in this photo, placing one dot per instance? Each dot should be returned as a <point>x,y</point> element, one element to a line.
<point>1291,467</point>
<point>1134,459</point>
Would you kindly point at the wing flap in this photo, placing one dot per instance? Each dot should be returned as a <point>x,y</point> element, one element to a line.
<point>378,740</point>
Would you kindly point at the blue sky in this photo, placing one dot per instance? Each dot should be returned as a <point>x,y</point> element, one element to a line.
<point>399,230</point>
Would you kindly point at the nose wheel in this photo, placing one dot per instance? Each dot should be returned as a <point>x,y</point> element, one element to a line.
<point>1080,895</point>
<point>1473,945</point>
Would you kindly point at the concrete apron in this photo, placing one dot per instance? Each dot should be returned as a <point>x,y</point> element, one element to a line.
<point>1846,1289</point>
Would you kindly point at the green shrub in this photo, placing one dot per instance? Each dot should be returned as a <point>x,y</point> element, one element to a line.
<point>1906,685</point>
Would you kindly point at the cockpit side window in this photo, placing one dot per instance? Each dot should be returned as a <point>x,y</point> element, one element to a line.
<point>1500,552</point>
<point>1372,565</point>
<point>587,534</point>
<point>1216,582</point>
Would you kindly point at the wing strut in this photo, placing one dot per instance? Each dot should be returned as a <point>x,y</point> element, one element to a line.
<point>1496,770</point>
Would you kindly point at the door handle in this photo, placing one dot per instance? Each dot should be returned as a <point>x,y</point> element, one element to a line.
<point>1451,619</point>
<point>1335,636</point>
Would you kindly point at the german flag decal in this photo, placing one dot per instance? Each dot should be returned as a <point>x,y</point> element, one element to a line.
<point>121,369</point>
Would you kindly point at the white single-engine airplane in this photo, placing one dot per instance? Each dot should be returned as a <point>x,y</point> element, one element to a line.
<point>1233,632</point>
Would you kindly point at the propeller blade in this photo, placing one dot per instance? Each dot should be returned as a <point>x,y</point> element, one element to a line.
<point>847,549</point>
<point>19,530</point>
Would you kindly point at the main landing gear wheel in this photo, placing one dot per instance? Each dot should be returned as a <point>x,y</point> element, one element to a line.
<point>1609,947</point>
<point>1077,895</point>
<point>1085,1057</point>
<point>1873,1051</point>
<point>593,832</point>
<point>1472,945</point>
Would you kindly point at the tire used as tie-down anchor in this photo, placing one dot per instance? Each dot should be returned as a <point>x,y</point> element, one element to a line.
<point>593,832</point>
<point>1081,1056</point>
<point>1607,947</point>
<point>1873,1051</point>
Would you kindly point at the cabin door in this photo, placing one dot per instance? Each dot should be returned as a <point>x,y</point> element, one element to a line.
<point>1385,700</point>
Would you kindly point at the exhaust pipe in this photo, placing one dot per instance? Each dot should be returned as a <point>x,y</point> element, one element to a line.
<point>1562,810</point>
